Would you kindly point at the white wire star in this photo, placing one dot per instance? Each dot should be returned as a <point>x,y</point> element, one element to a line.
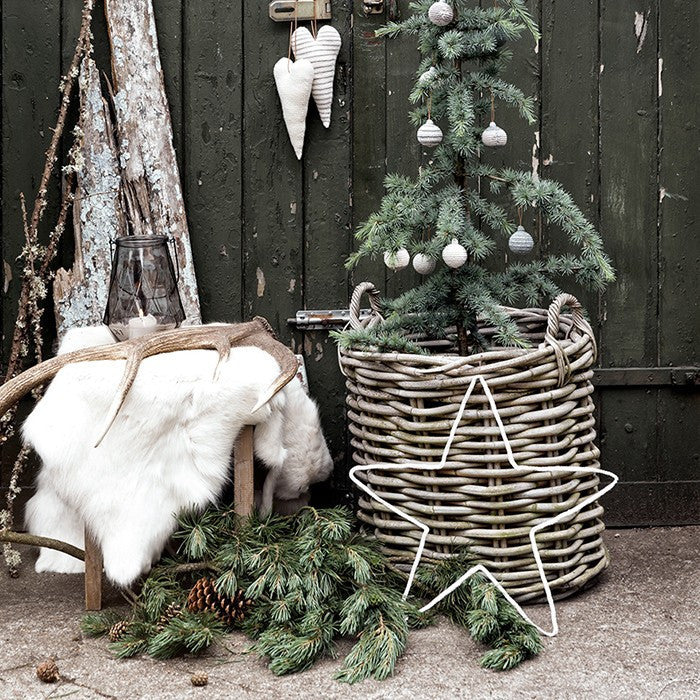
<point>480,568</point>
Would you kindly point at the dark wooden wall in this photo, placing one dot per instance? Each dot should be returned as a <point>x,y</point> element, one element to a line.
<point>618,126</point>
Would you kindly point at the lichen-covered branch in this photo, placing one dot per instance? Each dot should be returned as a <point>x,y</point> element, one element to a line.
<point>152,188</point>
<point>80,294</point>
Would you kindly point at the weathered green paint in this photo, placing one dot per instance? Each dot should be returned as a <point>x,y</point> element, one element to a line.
<point>327,181</point>
<point>212,60</point>
<point>605,133</point>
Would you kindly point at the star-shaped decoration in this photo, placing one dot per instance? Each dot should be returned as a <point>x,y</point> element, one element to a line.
<point>480,568</point>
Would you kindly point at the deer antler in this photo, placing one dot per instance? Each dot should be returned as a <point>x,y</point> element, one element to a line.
<point>220,338</point>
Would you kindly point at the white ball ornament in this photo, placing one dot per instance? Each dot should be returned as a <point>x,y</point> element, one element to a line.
<point>397,260</point>
<point>427,76</point>
<point>521,241</point>
<point>440,13</point>
<point>493,135</point>
<point>430,134</point>
<point>454,254</point>
<point>423,264</point>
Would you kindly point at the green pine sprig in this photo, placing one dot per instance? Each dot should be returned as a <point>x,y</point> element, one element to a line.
<point>312,579</point>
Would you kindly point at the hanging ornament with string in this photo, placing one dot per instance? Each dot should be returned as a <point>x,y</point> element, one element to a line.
<point>520,242</point>
<point>396,260</point>
<point>493,135</point>
<point>454,254</point>
<point>423,264</point>
<point>321,48</point>
<point>440,13</point>
<point>294,81</point>
<point>430,134</point>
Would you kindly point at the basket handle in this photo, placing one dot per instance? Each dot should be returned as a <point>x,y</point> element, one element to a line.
<point>550,336</point>
<point>355,322</point>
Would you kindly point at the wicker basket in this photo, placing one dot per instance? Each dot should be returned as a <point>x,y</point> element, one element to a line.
<point>401,410</point>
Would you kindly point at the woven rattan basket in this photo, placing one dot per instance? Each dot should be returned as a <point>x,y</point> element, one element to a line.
<point>401,410</point>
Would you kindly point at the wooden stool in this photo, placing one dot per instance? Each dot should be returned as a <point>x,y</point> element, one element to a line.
<point>243,503</point>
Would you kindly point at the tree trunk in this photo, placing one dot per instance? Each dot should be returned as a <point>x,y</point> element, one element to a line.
<point>152,187</point>
<point>80,294</point>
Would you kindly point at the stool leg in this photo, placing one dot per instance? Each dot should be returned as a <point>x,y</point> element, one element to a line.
<point>93,573</point>
<point>243,490</point>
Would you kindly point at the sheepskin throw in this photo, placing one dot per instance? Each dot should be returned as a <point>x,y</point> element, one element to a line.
<point>168,450</point>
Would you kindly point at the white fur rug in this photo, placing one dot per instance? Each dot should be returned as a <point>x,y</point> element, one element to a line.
<point>168,450</point>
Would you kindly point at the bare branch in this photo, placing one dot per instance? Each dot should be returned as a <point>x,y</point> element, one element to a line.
<point>36,541</point>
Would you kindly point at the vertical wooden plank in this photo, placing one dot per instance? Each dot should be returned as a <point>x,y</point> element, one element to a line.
<point>31,64</point>
<point>213,113</point>
<point>569,107</point>
<point>679,249</point>
<point>628,157</point>
<point>169,15</point>
<point>628,197</point>
<point>403,152</point>
<point>243,490</point>
<point>369,85</point>
<point>523,148</point>
<point>328,241</point>
<point>273,183</point>
<point>368,152</point>
<point>93,573</point>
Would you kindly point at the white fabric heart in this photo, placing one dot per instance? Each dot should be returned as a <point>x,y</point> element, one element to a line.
<point>322,52</point>
<point>294,80</point>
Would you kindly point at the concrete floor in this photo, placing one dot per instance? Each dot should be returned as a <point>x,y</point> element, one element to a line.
<point>634,635</point>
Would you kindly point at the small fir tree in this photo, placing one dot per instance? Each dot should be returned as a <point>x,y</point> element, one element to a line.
<point>458,196</point>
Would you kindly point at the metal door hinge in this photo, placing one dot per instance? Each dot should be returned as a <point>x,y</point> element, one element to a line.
<point>316,319</point>
<point>290,10</point>
<point>373,7</point>
<point>679,377</point>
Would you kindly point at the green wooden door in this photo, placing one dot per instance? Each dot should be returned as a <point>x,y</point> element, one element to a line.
<point>618,126</point>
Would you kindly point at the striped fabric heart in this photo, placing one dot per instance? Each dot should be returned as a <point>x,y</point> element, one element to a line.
<point>322,52</point>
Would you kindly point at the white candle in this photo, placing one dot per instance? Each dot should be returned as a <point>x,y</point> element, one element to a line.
<point>142,325</point>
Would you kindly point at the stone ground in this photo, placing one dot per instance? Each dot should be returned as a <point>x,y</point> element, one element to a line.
<point>634,635</point>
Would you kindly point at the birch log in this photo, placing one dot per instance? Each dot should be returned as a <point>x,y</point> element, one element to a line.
<point>147,156</point>
<point>80,294</point>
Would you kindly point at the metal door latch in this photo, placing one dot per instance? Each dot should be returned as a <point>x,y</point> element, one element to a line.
<point>320,319</point>
<point>304,10</point>
<point>373,7</point>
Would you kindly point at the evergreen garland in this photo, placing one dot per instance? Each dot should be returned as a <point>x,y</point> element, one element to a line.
<point>310,579</point>
<point>457,195</point>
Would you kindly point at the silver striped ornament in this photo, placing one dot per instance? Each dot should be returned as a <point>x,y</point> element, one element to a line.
<point>430,134</point>
<point>521,241</point>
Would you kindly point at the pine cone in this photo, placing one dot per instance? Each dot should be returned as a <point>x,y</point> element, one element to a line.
<point>117,630</point>
<point>172,611</point>
<point>48,671</point>
<point>199,679</point>
<point>204,596</point>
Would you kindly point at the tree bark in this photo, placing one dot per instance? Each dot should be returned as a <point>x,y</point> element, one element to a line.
<point>152,188</point>
<point>80,294</point>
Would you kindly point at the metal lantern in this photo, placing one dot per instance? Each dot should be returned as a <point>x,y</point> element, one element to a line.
<point>143,296</point>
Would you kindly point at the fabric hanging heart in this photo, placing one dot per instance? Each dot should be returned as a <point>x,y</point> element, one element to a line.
<point>294,80</point>
<point>322,52</point>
